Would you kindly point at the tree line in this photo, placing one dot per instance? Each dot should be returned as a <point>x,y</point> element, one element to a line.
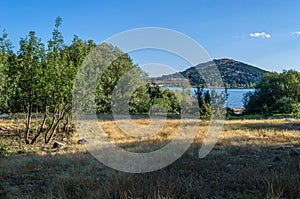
<point>276,93</point>
<point>37,81</point>
<point>36,84</point>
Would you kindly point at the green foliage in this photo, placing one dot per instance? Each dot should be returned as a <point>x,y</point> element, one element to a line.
<point>153,95</point>
<point>204,103</point>
<point>108,80</point>
<point>276,93</point>
<point>218,102</point>
<point>5,55</point>
<point>3,150</point>
<point>5,44</point>
<point>40,81</point>
<point>211,104</point>
<point>171,102</point>
<point>140,101</point>
<point>283,105</point>
<point>296,109</point>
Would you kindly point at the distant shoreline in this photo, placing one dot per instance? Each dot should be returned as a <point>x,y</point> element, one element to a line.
<point>210,87</point>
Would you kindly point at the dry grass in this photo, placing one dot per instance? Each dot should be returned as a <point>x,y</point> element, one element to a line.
<point>240,166</point>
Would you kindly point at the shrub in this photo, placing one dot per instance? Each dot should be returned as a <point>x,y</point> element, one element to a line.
<point>3,150</point>
<point>296,109</point>
<point>276,93</point>
<point>283,105</point>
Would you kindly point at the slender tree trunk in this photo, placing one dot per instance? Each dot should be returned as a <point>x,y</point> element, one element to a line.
<point>58,128</point>
<point>61,117</point>
<point>40,130</point>
<point>28,122</point>
<point>67,124</point>
<point>52,131</point>
<point>17,126</point>
<point>49,128</point>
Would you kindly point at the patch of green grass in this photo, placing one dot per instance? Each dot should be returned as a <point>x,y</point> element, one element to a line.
<point>260,116</point>
<point>245,117</point>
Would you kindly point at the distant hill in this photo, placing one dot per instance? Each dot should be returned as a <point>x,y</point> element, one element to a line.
<point>234,74</point>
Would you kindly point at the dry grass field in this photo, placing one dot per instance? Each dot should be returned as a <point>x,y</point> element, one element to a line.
<point>252,159</point>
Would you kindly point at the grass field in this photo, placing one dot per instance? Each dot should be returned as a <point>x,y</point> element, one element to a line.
<point>252,159</point>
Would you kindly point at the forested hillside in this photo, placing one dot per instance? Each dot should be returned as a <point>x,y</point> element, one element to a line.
<point>234,74</point>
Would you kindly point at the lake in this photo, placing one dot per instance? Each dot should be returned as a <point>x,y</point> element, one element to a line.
<point>235,95</point>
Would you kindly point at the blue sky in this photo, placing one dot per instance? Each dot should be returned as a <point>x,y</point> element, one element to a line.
<point>262,33</point>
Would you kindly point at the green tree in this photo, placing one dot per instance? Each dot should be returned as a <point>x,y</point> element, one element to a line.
<point>26,94</point>
<point>121,64</point>
<point>37,82</point>
<point>61,68</point>
<point>171,101</point>
<point>140,101</point>
<point>211,103</point>
<point>56,78</point>
<point>276,93</point>
<point>154,92</point>
<point>99,75</point>
<point>75,55</point>
<point>204,102</point>
<point>6,55</point>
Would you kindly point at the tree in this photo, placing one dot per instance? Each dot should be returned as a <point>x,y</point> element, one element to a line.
<point>26,94</point>
<point>204,102</point>
<point>57,76</point>
<point>121,64</point>
<point>38,83</point>
<point>276,93</point>
<point>6,55</point>
<point>154,92</point>
<point>211,103</point>
<point>171,102</point>
<point>140,101</point>
<point>75,55</point>
<point>62,65</point>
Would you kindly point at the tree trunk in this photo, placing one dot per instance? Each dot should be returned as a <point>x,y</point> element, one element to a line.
<point>40,130</point>
<point>51,126</point>
<point>56,125</point>
<point>66,127</point>
<point>52,132</point>
<point>28,122</point>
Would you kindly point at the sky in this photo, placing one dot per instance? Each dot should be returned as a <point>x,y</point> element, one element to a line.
<point>262,33</point>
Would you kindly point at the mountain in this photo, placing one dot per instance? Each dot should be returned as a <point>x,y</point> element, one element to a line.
<point>234,74</point>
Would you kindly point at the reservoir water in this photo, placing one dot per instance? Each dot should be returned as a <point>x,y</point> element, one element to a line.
<point>235,95</point>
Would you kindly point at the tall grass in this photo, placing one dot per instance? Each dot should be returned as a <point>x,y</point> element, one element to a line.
<point>240,166</point>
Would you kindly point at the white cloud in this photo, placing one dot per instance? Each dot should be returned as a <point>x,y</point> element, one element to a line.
<point>296,33</point>
<point>260,34</point>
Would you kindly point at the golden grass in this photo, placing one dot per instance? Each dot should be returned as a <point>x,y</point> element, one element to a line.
<point>241,165</point>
